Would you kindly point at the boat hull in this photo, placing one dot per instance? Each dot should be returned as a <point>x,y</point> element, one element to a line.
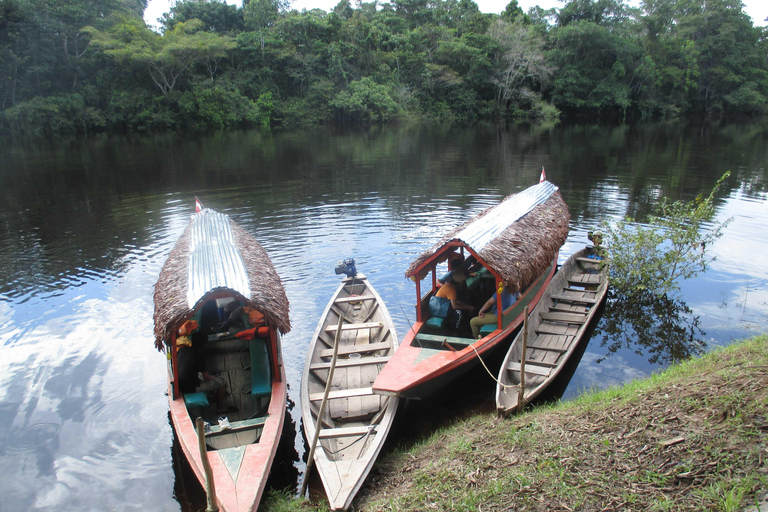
<point>417,371</point>
<point>241,491</point>
<point>554,329</point>
<point>355,421</point>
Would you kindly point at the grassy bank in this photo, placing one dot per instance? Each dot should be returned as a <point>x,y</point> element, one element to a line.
<point>690,438</point>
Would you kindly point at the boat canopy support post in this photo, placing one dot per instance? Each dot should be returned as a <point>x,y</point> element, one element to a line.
<point>210,487</point>
<point>319,423</point>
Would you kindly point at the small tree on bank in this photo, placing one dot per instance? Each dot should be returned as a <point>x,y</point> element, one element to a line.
<point>672,246</point>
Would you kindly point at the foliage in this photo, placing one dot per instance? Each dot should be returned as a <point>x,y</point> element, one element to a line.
<point>672,246</point>
<point>404,59</point>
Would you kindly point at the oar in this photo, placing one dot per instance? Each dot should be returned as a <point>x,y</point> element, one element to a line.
<point>311,458</point>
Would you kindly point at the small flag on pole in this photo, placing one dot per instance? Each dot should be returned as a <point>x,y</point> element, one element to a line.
<point>543,176</point>
<point>198,205</point>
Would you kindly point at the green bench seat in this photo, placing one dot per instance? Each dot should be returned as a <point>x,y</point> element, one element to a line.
<point>261,371</point>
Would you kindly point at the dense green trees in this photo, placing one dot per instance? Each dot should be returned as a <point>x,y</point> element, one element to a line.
<point>81,65</point>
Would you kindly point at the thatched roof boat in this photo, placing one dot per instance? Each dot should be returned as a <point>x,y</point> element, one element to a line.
<point>513,244</point>
<point>211,255</point>
<point>219,297</point>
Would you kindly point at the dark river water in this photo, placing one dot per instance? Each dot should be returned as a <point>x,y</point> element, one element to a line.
<point>85,226</point>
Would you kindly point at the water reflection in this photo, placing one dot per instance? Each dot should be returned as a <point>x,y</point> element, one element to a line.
<point>661,328</point>
<point>85,226</point>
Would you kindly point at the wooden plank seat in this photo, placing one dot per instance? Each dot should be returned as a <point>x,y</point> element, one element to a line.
<point>330,433</point>
<point>343,300</point>
<point>589,260</point>
<point>346,363</point>
<point>581,300</point>
<point>559,316</point>
<point>549,349</point>
<point>342,393</point>
<point>352,327</point>
<point>436,338</point>
<point>357,349</point>
<point>585,278</point>
<point>236,426</point>
<point>530,367</point>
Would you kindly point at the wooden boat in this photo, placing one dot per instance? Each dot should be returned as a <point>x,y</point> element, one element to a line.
<point>554,329</point>
<point>355,421</point>
<point>513,244</point>
<point>214,263</point>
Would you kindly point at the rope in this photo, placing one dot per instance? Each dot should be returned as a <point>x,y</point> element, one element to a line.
<point>505,386</point>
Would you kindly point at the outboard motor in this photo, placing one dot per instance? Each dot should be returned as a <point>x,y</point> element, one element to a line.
<point>346,267</point>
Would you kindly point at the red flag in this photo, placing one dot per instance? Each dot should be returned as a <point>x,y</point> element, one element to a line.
<point>543,176</point>
<point>198,205</point>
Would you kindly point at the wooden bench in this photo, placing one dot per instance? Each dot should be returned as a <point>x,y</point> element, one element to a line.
<point>357,349</point>
<point>530,367</point>
<point>330,433</point>
<point>342,393</point>
<point>236,426</point>
<point>346,363</point>
<point>352,327</point>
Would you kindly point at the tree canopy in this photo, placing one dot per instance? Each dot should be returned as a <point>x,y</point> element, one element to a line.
<point>88,65</point>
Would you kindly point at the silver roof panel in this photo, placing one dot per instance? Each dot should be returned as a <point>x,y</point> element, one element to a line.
<point>479,233</point>
<point>214,260</point>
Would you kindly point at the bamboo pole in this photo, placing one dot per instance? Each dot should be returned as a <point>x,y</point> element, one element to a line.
<point>210,488</point>
<point>318,424</point>
<point>521,390</point>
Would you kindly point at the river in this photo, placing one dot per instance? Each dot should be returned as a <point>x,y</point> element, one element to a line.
<point>86,224</point>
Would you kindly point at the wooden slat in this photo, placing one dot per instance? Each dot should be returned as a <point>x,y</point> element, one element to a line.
<point>352,327</point>
<point>355,349</point>
<point>450,339</point>
<point>550,349</point>
<point>585,278</point>
<point>343,363</point>
<point>236,426</point>
<point>580,300</point>
<point>571,318</point>
<point>530,367</point>
<point>589,260</point>
<point>547,328</point>
<point>342,393</point>
<point>342,300</point>
<point>330,433</point>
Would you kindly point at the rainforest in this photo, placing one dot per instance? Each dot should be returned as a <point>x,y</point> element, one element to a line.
<point>84,66</point>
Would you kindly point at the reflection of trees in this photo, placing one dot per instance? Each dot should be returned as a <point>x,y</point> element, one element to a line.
<point>660,327</point>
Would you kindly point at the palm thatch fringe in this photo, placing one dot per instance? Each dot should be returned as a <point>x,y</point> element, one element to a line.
<point>524,250</point>
<point>267,292</point>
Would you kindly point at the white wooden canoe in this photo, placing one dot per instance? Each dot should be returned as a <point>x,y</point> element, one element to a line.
<point>356,421</point>
<point>555,327</point>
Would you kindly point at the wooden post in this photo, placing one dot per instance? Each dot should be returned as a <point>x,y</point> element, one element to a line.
<point>210,488</point>
<point>318,424</point>
<point>521,391</point>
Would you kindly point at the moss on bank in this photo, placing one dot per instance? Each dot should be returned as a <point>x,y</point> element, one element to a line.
<point>689,438</point>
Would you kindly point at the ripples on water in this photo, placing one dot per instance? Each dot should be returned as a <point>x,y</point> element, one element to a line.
<point>82,243</point>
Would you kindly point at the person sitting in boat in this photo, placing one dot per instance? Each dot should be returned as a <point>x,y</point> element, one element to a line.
<point>488,314</point>
<point>455,290</point>
<point>193,375</point>
<point>237,315</point>
<point>457,261</point>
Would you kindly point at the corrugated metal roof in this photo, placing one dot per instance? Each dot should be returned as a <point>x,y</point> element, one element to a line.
<point>481,232</point>
<point>214,260</point>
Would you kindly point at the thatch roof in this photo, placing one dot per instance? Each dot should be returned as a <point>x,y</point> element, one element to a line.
<point>520,252</point>
<point>266,290</point>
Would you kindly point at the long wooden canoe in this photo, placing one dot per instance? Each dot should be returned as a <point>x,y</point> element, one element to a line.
<point>513,244</point>
<point>554,328</point>
<point>214,263</point>
<point>356,421</point>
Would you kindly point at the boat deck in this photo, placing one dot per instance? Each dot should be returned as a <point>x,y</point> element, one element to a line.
<point>229,356</point>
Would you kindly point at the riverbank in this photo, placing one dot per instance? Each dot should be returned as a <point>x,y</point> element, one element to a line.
<point>690,438</point>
